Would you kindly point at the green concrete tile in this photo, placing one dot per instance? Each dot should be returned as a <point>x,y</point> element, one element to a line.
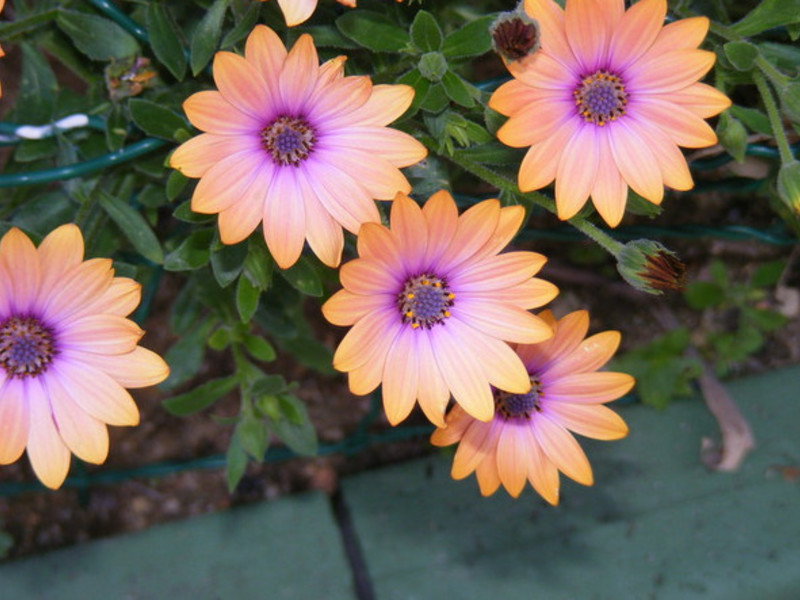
<point>289,548</point>
<point>655,525</point>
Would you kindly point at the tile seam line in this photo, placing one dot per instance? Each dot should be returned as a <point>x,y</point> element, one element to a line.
<point>362,581</point>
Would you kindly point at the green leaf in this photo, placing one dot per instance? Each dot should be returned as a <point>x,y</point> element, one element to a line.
<point>703,294</point>
<point>719,274</point>
<point>269,385</point>
<point>133,226</point>
<point>193,253</point>
<point>31,150</point>
<point>227,263</point>
<point>235,463</point>
<point>253,437</point>
<point>295,429</point>
<point>311,353</point>
<point>458,90</point>
<point>165,39</point>
<point>373,30</point>
<point>754,119</point>
<point>116,128</point>
<point>247,299</point>
<point>244,26</point>
<point>37,88</point>
<point>155,119</point>
<point>175,184</point>
<point>637,205</point>
<point>493,153</point>
<point>327,36</point>
<point>220,339</point>
<point>433,66</point>
<point>765,319</point>
<point>97,37</point>
<point>768,14</point>
<point>259,348</point>
<point>741,54</point>
<point>303,277</point>
<point>435,100</point>
<point>783,56</point>
<point>206,36</point>
<point>186,355</point>
<point>421,86</point>
<point>200,397</point>
<point>425,32</point>
<point>790,100</point>
<point>259,264</point>
<point>768,274</point>
<point>185,213</point>
<point>733,136</point>
<point>470,40</point>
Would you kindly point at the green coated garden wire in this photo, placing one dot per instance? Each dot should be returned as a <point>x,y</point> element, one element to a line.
<point>121,19</point>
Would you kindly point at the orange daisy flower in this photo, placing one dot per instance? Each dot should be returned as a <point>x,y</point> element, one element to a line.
<point>296,145</point>
<point>529,438</point>
<point>67,352</point>
<point>433,303</point>
<point>606,102</point>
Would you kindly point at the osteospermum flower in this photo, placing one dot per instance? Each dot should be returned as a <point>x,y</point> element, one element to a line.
<point>432,305</point>
<point>529,438</point>
<point>67,352</point>
<point>295,144</point>
<point>606,102</point>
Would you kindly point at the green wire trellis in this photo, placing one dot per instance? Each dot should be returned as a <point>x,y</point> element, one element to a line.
<point>361,438</point>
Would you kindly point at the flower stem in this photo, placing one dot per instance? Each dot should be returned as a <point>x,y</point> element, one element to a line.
<point>774,117</point>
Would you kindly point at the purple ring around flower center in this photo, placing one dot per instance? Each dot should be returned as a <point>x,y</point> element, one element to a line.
<point>424,301</point>
<point>27,346</point>
<point>288,140</point>
<point>520,406</point>
<point>601,98</point>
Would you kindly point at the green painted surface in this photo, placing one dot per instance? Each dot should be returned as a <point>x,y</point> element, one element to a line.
<point>286,549</point>
<point>655,525</point>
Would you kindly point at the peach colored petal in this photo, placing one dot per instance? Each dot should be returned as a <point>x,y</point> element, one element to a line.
<point>548,75</point>
<point>475,227</point>
<point>266,52</point>
<point>227,181</point>
<point>387,103</point>
<point>77,290</point>
<point>13,420</point>
<point>497,272</point>
<point>670,160</point>
<point>512,458</point>
<point>48,455</point>
<point>526,295</point>
<point>378,176</point>
<point>594,421</point>
<point>364,379</point>
<point>683,126</point>
<point>196,156</point>
<point>589,31</point>
<point>503,367</point>
<point>324,234</point>
<point>96,393</point>
<point>60,251</point>
<point>590,388</point>
<point>101,334</point>
<point>610,192</point>
<point>370,277</point>
<point>542,473</point>
<point>300,71</point>
<point>561,447</point>
<point>488,477</point>
<point>457,423</point>
<point>540,163</point>
<point>701,99</point>
<point>512,96</point>
<point>136,369</point>
<point>441,214</point>
<point>345,199</point>
<point>400,377</point>
<point>501,321</point>
<point>478,444</point>
<point>636,32</point>
<point>375,242</point>
<point>463,372</point>
<point>553,30</point>
<point>577,170</point>
<point>285,218</point>
<point>509,223</point>
<point>635,161</point>
<point>355,347</point>
<point>669,72</point>
<point>683,34</point>
<point>336,105</point>
<point>590,355</point>
<point>536,122</point>
<point>241,85</point>
<point>345,308</point>
<point>432,391</point>
<point>297,11</point>
<point>569,333</point>
<point>84,435</point>
<point>409,229</point>
<point>209,111</point>
<point>399,148</point>
<point>240,219</point>
<point>121,298</point>
<point>21,263</point>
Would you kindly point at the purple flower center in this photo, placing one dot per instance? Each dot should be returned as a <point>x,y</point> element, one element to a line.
<point>288,140</point>
<point>26,346</point>
<point>425,301</point>
<point>519,406</point>
<point>600,98</point>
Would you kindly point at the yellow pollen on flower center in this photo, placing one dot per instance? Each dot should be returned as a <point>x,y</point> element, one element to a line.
<point>425,301</point>
<point>288,140</point>
<point>26,346</point>
<point>601,98</point>
<point>520,406</point>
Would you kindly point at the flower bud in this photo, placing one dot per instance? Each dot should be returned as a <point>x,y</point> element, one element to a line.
<point>650,267</point>
<point>789,185</point>
<point>515,35</point>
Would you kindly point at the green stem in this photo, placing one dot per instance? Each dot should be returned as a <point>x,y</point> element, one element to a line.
<point>503,183</point>
<point>9,32</point>
<point>774,117</point>
<point>777,78</point>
